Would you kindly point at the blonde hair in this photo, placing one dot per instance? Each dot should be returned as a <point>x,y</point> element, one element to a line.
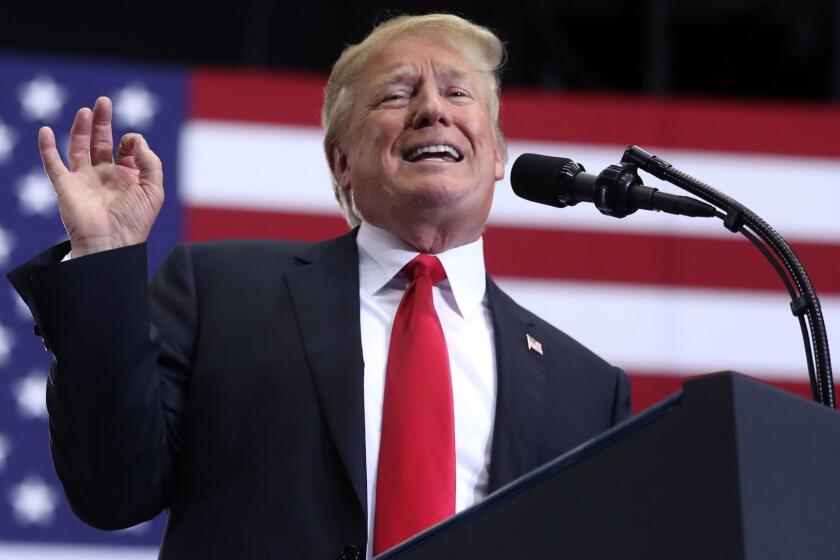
<point>477,44</point>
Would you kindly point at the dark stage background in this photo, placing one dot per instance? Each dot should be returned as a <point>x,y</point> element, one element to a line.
<point>729,48</point>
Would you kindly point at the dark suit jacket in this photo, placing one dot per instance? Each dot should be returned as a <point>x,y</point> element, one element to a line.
<point>230,393</point>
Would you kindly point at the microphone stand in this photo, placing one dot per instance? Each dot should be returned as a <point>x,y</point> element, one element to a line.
<point>740,219</point>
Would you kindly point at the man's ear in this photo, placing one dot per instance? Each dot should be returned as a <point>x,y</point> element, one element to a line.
<point>499,156</point>
<point>340,166</point>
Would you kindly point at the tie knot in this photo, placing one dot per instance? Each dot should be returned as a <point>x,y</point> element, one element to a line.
<point>425,265</point>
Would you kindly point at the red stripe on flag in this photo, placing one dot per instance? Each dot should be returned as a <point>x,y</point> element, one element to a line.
<point>577,255</point>
<point>753,127</point>
<point>749,126</point>
<point>259,97</point>
<point>649,259</point>
<point>648,388</point>
<point>204,224</point>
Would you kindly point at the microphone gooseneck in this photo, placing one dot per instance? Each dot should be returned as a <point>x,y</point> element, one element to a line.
<point>618,191</point>
<point>740,219</point>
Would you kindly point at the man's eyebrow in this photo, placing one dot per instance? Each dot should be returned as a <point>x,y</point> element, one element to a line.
<point>404,74</point>
<point>397,76</point>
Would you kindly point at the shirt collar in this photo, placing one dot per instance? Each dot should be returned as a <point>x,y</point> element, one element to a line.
<point>382,255</point>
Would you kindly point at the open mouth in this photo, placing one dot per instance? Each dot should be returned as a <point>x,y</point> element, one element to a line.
<point>434,152</point>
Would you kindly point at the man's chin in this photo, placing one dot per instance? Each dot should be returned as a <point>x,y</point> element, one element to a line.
<point>435,194</point>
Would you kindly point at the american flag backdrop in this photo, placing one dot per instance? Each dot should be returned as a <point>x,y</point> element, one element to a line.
<point>661,296</point>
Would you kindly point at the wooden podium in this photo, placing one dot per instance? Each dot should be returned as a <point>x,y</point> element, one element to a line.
<point>729,468</point>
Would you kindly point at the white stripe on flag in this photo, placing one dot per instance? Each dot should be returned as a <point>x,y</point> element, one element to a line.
<point>20,551</point>
<point>252,166</point>
<point>268,167</point>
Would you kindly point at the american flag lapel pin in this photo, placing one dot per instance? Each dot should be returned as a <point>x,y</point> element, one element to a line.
<point>534,344</point>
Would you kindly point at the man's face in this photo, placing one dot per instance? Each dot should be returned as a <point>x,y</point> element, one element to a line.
<point>421,145</point>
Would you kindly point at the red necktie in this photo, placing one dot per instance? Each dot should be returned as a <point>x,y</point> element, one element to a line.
<point>415,480</point>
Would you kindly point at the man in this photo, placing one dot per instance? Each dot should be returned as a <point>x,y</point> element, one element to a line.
<point>246,390</point>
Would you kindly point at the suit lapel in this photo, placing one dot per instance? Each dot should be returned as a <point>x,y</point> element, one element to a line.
<point>325,292</point>
<point>520,397</point>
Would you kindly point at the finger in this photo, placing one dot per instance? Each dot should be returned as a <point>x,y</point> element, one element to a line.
<point>125,156</point>
<point>149,165</point>
<point>49,155</point>
<point>79,151</point>
<point>102,139</point>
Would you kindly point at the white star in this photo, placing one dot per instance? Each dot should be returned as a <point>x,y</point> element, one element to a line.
<point>30,393</point>
<point>134,106</point>
<point>5,450</point>
<point>7,243</point>
<point>21,309</point>
<point>41,98</point>
<point>36,195</point>
<point>7,142</point>
<point>33,501</point>
<point>7,340</point>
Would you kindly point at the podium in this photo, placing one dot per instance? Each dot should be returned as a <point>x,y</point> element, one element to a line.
<point>729,468</point>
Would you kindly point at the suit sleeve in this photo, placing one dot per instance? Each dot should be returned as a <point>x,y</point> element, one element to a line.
<point>116,392</point>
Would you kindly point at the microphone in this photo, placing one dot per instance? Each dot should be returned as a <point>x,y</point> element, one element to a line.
<point>617,191</point>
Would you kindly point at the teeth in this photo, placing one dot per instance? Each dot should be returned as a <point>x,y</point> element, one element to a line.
<point>438,148</point>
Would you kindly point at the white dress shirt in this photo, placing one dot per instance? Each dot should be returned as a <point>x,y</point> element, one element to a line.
<point>461,304</point>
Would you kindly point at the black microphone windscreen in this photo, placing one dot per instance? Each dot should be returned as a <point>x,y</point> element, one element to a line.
<point>534,177</point>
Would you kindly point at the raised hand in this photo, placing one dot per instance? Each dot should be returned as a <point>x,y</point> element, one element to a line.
<point>104,203</point>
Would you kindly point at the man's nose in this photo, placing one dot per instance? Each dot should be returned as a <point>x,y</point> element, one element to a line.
<point>430,109</point>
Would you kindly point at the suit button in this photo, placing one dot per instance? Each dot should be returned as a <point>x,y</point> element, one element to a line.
<point>350,552</point>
